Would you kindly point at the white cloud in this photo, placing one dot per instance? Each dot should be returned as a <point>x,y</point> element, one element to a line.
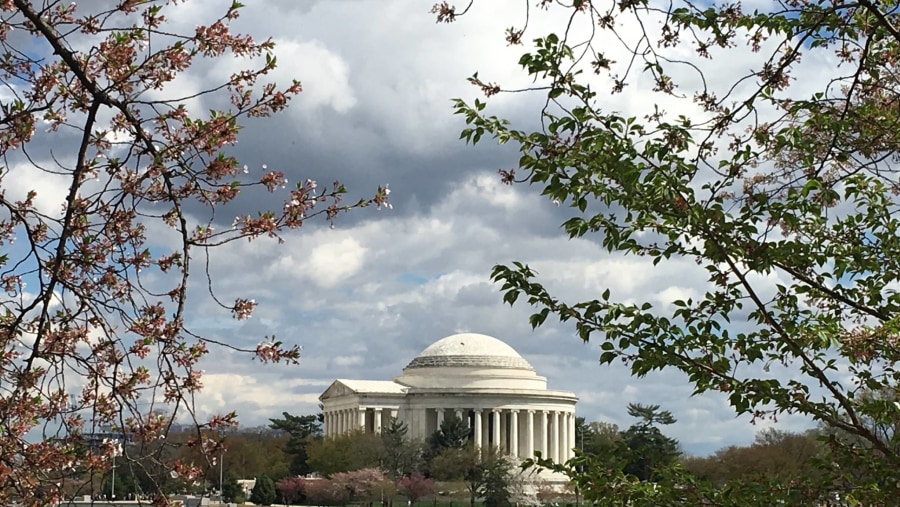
<point>331,263</point>
<point>50,189</point>
<point>348,360</point>
<point>325,76</point>
<point>252,395</point>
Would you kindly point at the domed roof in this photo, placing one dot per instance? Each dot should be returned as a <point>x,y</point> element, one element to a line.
<point>472,350</point>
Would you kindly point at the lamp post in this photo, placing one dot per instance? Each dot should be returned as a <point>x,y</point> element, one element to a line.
<point>117,444</point>
<point>221,482</point>
<point>113,488</point>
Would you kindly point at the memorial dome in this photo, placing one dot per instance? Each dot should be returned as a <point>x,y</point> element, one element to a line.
<point>469,350</point>
<point>478,379</point>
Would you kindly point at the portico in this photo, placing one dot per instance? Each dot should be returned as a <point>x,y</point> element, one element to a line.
<point>360,405</point>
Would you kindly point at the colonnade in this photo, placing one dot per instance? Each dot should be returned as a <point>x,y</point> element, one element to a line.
<point>371,419</point>
<point>519,432</point>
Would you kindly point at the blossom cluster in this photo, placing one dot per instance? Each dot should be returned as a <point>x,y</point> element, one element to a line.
<point>101,332</point>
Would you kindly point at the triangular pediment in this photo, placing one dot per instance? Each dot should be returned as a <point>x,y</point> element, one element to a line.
<point>337,389</point>
<point>345,387</point>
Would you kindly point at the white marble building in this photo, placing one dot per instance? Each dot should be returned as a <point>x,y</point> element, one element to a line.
<point>479,379</point>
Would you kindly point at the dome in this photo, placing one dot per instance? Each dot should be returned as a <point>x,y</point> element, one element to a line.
<point>469,350</point>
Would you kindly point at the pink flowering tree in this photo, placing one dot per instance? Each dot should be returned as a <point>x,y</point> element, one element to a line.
<point>360,485</point>
<point>415,486</point>
<point>290,489</point>
<point>325,492</point>
<point>364,485</point>
<point>94,310</point>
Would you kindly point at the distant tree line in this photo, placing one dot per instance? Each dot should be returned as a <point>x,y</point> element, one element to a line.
<point>293,463</point>
<point>641,466</point>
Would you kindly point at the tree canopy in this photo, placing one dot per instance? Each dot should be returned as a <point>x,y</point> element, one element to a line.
<point>486,472</point>
<point>402,455</point>
<point>775,455</point>
<point>345,453</point>
<point>782,190</point>
<point>231,490</point>
<point>263,492</point>
<point>452,434</point>
<point>648,448</point>
<point>303,429</point>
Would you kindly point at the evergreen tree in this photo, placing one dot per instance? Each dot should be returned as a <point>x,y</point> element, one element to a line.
<point>597,438</point>
<point>401,456</point>
<point>303,429</point>
<point>649,448</point>
<point>263,492</point>
<point>453,434</point>
<point>231,490</point>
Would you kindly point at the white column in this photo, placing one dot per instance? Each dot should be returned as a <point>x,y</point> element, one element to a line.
<point>514,433</point>
<point>440,417</point>
<point>571,433</point>
<point>529,434</point>
<point>459,415</point>
<point>554,436</point>
<point>339,415</point>
<point>378,421</point>
<point>477,427</point>
<point>496,417</point>
<point>504,433</point>
<point>563,437</point>
<point>362,419</point>
<point>415,421</point>
<point>544,433</point>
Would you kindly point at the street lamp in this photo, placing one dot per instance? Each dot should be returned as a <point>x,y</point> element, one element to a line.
<point>113,488</point>
<point>221,482</point>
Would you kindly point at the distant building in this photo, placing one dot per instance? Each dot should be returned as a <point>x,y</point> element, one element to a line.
<point>475,377</point>
<point>94,440</point>
<point>246,486</point>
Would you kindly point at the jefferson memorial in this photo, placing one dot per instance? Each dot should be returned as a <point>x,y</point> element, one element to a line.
<point>477,378</point>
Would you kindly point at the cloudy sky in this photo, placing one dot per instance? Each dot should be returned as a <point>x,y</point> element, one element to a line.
<point>365,297</point>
